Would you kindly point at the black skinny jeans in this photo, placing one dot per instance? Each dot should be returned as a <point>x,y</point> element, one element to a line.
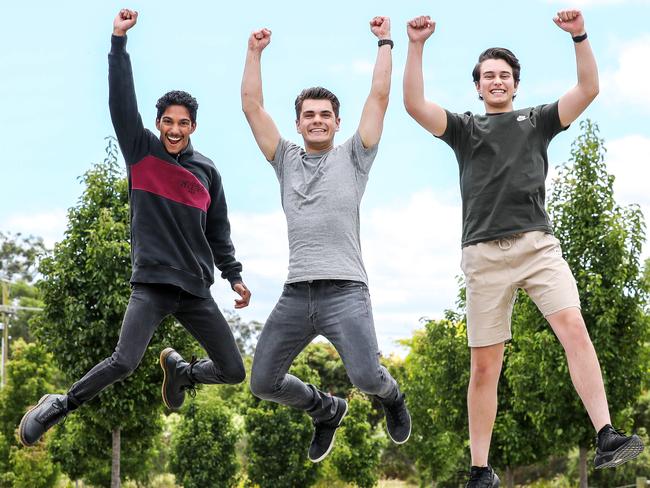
<point>148,306</point>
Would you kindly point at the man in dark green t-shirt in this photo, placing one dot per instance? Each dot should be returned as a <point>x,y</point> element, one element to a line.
<point>507,236</point>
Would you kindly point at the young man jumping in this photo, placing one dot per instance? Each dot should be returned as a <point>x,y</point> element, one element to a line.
<point>507,235</point>
<point>179,231</point>
<point>326,292</point>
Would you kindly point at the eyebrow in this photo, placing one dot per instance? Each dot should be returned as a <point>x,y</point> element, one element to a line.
<point>491,72</point>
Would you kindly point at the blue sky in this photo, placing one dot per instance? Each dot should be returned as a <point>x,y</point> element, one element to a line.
<point>56,117</point>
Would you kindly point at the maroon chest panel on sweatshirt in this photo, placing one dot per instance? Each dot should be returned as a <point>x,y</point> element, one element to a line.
<point>169,181</point>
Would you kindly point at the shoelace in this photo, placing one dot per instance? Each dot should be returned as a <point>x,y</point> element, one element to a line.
<point>191,388</point>
<point>397,410</point>
<point>477,475</point>
<point>55,410</point>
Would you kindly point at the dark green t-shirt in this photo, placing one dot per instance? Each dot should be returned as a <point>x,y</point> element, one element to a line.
<point>503,164</point>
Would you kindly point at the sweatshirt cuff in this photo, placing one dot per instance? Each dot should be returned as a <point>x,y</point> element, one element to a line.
<point>234,279</point>
<point>118,43</point>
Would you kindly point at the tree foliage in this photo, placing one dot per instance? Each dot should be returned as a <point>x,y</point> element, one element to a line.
<point>19,256</point>
<point>203,448</point>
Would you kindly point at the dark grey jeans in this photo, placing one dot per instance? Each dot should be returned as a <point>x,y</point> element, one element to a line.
<point>148,306</point>
<point>341,312</point>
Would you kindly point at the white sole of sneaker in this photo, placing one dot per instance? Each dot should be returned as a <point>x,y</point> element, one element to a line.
<point>625,453</point>
<point>407,437</point>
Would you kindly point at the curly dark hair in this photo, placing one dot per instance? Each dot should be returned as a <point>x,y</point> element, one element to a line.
<point>497,53</point>
<point>178,97</point>
<point>317,93</point>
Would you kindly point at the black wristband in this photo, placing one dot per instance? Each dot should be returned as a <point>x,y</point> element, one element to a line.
<point>382,42</point>
<point>581,38</point>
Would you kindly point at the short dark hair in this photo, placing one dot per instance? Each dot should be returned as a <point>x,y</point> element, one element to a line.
<point>497,53</point>
<point>178,97</point>
<point>317,93</point>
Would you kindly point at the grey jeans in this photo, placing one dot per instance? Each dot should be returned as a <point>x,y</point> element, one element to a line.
<point>148,306</point>
<point>341,312</point>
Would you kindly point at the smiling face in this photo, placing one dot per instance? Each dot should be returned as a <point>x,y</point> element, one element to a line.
<point>496,85</point>
<point>317,124</point>
<point>175,128</point>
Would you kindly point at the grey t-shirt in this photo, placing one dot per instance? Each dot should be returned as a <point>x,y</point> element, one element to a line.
<point>321,194</point>
<point>503,165</point>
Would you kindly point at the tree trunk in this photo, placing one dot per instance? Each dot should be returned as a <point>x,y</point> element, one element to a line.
<point>582,466</point>
<point>115,466</point>
<point>510,477</point>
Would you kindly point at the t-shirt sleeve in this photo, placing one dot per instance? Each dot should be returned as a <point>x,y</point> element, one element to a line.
<point>284,147</point>
<point>455,131</point>
<point>363,157</point>
<point>548,119</point>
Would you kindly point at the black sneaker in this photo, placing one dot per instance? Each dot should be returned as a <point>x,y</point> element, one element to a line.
<point>177,378</point>
<point>614,447</point>
<point>483,477</point>
<point>49,411</point>
<point>398,420</point>
<point>323,439</point>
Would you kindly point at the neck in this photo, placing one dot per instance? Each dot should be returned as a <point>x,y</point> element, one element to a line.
<point>498,109</point>
<point>318,148</point>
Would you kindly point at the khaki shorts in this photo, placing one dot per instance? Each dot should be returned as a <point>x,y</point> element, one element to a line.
<point>494,270</point>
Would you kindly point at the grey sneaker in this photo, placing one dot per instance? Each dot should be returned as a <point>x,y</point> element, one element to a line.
<point>483,477</point>
<point>324,432</point>
<point>614,447</point>
<point>177,379</point>
<point>398,419</point>
<point>49,411</point>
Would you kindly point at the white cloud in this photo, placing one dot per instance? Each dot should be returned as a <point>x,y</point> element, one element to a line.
<point>627,84</point>
<point>48,225</point>
<point>628,159</point>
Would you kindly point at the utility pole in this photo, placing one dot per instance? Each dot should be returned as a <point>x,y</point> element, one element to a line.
<point>5,332</point>
<point>7,310</point>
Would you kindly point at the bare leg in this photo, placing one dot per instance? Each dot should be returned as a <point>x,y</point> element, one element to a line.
<point>570,329</point>
<point>482,399</point>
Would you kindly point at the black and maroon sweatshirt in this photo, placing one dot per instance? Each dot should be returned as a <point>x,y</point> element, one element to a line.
<point>179,218</point>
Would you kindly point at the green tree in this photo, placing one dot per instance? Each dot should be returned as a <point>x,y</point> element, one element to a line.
<point>19,256</point>
<point>85,289</point>
<point>203,448</point>
<point>278,440</point>
<point>435,383</point>
<point>357,452</point>
<point>29,375</point>
<point>602,242</point>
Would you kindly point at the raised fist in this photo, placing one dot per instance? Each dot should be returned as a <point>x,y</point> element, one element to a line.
<point>380,26</point>
<point>124,20</point>
<point>420,28</point>
<point>259,39</point>
<point>570,21</point>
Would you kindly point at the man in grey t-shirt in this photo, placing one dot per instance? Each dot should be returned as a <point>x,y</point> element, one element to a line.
<point>326,292</point>
<point>506,232</point>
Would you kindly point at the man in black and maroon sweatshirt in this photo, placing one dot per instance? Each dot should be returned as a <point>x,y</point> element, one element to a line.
<point>179,231</point>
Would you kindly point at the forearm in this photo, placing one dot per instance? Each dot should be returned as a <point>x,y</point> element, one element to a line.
<point>413,79</point>
<point>251,85</point>
<point>586,68</point>
<point>381,76</point>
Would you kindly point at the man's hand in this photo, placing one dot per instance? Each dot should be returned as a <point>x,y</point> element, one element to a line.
<point>244,293</point>
<point>124,20</point>
<point>420,28</point>
<point>570,21</point>
<point>380,26</point>
<point>259,39</point>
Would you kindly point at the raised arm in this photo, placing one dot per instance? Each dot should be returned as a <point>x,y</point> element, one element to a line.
<point>578,98</point>
<point>374,110</point>
<point>252,101</point>
<point>121,90</point>
<point>428,114</point>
